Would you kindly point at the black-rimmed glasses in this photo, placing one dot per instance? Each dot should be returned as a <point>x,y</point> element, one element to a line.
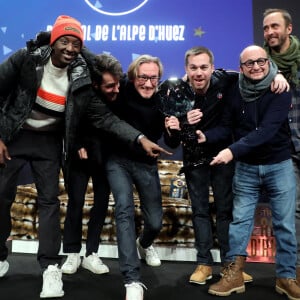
<point>142,79</point>
<point>250,63</point>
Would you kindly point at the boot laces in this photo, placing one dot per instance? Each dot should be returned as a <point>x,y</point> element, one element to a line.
<point>228,270</point>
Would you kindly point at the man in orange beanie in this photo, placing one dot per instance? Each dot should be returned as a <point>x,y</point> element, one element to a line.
<point>65,25</point>
<point>45,90</point>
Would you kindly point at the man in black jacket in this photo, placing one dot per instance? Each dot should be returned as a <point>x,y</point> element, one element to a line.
<point>45,89</point>
<point>195,104</point>
<point>127,167</point>
<point>204,94</point>
<point>257,118</point>
<point>87,161</point>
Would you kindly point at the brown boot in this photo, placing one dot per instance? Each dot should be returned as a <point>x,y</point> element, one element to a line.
<point>201,274</point>
<point>232,280</point>
<point>289,287</point>
<point>298,274</point>
<point>247,277</point>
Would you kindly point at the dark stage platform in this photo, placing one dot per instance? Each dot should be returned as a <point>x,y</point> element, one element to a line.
<point>169,281</point>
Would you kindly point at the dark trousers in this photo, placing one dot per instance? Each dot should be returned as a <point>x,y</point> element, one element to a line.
<point>43,153</point>
<point>80,172</point>
<point>198,181</point>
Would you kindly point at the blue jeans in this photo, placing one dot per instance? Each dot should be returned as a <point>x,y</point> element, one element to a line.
<point>296,162</point>
<point>278,180</point>
<point>122,174</point>
<point>198,181</point>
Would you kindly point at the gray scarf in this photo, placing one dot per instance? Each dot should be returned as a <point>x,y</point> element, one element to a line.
<point>251,91</point>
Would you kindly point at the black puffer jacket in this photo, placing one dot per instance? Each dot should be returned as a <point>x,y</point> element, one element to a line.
<point>20,77</point>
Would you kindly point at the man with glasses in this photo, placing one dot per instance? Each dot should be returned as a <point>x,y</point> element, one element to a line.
<point>260,62</point>
<point>204,95</point>
<point>45,90</point>
<point>257,118</point>
<point>127,168</point>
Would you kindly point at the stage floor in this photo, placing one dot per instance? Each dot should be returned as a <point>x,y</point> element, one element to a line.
<point>169,281</point>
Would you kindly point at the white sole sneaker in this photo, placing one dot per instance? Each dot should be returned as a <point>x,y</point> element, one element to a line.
<point>52,283</point>
<point>135,290</point>
<point>148,254</point>
<point>94,264</point>
<point>4,266</point>
<point>71,264</point>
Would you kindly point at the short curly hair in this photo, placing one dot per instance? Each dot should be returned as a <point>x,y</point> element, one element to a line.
<point>106,63</point>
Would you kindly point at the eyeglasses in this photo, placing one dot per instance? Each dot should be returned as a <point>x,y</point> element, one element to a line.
<point>142,79</point>
<point>250,63</point>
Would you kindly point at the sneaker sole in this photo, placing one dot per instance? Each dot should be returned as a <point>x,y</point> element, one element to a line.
<point>153,265</point>
<point>201,282</point>
<point>68,271</point>
<point>93,271</point>
<point>238,290</point>
<point>53,295</point>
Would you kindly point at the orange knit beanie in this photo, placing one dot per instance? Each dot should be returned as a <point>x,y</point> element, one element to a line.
<point>65,25</point>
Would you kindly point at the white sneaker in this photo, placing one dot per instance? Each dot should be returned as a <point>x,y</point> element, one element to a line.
<point>94,263</point>
<point>71,264</point>
<point>52,283</point>
<point>149,254</point>
<point>134,291</point>
<point>4,265</point>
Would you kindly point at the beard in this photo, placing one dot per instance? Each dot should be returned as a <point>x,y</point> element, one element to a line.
<point>281,41</point>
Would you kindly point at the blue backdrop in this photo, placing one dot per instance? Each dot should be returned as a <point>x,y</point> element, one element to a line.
<point>164,28</point>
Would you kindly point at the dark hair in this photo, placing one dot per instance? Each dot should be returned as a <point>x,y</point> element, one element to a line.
<point>196,51</point>
<point>285,14</point>
<point>106,63</point>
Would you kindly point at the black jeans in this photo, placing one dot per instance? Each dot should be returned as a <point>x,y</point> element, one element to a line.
<point>198,181</point>
<point>42,150</point>
<point>80,172</point>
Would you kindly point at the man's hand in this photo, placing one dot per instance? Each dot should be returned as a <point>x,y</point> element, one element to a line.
<point>201,138</point>
<point>223,157</point>
<point>4,155</point>
<point>172,123</point>
<point>194,116</point>
<point>151,148</point>
<point>82,153</point>
<point>279,84</point>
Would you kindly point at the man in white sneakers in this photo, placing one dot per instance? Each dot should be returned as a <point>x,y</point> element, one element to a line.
<point>45,90</point>
<point>126,168</point>
<point>88,161</point>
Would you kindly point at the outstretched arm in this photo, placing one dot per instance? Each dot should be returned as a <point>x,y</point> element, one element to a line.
<point>151,148</point>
